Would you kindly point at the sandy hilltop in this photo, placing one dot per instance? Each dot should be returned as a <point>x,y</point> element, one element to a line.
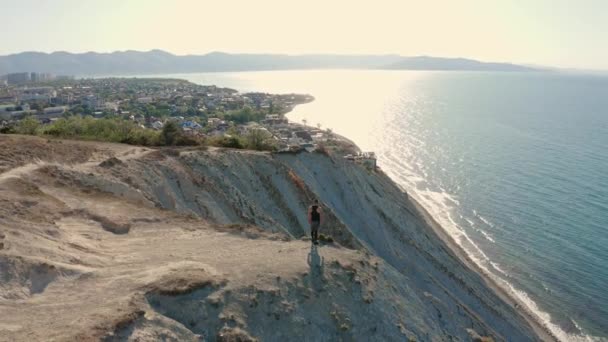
<point>113,242</point>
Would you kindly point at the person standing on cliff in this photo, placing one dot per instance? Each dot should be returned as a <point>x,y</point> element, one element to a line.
<point>314,220</point>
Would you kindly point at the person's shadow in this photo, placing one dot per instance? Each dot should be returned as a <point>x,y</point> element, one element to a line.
<point>316,264</point>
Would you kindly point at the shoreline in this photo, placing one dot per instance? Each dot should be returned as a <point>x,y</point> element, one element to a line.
<point>518,306</point>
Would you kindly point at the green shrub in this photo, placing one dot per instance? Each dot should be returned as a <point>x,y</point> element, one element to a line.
<point>28,125</point>
<point>243,115</point>
<point>326,238</point>
<point>226,141</point>
<point>259,139</point>
<point>145,137</point>
<point>119,130</point>
<point>186,140</point>
<point>7,130</point>
<point>113,130</point>
<point>170,133</point>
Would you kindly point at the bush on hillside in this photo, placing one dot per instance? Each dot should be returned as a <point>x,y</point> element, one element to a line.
<point>326,238</point>
<point>186,140</point>
<point>170,133</point>
<point>259,139</point>
<point>244,115</point>
<point>145,137</point>
<point>108,129</point>
<point>7,130</point>
<point>225,141</point>
<point>88,128</point>
<point>28,126</point>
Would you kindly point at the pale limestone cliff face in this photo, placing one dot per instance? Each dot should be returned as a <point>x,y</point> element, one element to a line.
<point>206,245</point>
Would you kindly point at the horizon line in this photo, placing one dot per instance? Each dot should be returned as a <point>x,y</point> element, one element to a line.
<point>523,64</point>
<point>272,53</point>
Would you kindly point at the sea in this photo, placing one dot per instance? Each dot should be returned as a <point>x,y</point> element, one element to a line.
<point>514,166</point>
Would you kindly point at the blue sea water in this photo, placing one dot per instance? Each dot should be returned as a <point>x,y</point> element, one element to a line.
<point>522,161</point>
<point>513,165</point>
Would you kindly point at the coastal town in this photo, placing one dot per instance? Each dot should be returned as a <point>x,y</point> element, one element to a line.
<point>150,103</point>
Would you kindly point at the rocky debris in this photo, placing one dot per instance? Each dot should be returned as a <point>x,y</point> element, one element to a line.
<point>22,277</point>
<point>152,327</point>
<point>110,225</point>
<point>183,282</point>
<point>323,304</point>
<point>113,225</point>
<point>110,162</point>
<point>234,335</point>
<point>475,337</point>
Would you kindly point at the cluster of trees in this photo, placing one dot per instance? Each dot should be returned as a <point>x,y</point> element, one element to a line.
<point>107,129</point>
<point>128,132</point>
<point>164,111</point>
<point>243,115</point>
<point>254,139</point>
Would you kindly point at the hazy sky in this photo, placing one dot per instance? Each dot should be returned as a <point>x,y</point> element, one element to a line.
<point>566,33</point>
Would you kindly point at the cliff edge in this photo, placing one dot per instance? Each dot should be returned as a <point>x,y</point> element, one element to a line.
<point>121,243</point>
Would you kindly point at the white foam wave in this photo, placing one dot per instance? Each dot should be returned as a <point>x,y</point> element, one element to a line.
<point>487,236</point>
<point>496,266</point>
<point>484,220</point>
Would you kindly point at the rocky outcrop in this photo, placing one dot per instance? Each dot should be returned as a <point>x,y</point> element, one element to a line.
<point>365,210</point>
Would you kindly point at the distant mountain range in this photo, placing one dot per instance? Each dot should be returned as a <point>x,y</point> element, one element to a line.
<point>158,61</point>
